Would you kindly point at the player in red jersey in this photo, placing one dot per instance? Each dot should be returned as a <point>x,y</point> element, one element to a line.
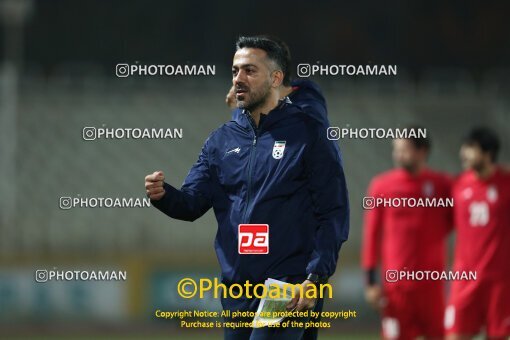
<point>407,239</point>
<point>482,221</point>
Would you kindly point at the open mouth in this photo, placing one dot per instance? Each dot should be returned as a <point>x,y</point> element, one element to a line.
<point>241,92</point>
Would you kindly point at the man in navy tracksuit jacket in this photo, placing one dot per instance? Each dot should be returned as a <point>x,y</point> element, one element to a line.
<point>300,191</point>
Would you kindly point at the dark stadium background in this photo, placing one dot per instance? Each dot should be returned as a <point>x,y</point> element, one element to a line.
<point>57,75</point>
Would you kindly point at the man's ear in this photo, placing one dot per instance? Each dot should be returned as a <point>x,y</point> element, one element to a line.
<point>277,78</point>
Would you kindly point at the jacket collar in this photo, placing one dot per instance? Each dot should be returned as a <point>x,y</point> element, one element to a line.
<point>282,110</point>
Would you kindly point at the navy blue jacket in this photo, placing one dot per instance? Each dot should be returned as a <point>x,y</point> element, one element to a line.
<point>302,196</point>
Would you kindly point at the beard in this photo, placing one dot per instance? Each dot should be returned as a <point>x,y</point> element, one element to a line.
<point>408,166</point>
<point>477,166</point>
<point>255,99</point>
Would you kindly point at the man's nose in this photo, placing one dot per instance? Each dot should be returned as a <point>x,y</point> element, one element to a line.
<point>239,77</point>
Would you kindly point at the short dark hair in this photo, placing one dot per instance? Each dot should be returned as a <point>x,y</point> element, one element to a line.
<point>276,49</point>
<point>486,139</point>
<point>418,141</point>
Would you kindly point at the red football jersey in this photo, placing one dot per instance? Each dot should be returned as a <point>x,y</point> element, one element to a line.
<point>404,237</point>
<point>482,222</point>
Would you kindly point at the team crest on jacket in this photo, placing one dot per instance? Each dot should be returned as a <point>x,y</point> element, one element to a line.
<point>278,148</point>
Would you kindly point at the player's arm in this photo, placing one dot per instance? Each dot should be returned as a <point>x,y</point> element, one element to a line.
<point>285,91</point>
<point>449,194</point>
<point>192,200</point>
<point>230,98</point>
<point>330,204</point>
<point>371,248</point>
<point>313,101</point>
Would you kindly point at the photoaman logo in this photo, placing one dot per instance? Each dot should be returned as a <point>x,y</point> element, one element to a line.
<point>253,239</point>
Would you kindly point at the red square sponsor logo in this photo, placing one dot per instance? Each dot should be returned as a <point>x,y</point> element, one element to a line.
<point>253,239</point>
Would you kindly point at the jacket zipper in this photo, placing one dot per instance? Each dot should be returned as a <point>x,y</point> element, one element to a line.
<point>250,161</point>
